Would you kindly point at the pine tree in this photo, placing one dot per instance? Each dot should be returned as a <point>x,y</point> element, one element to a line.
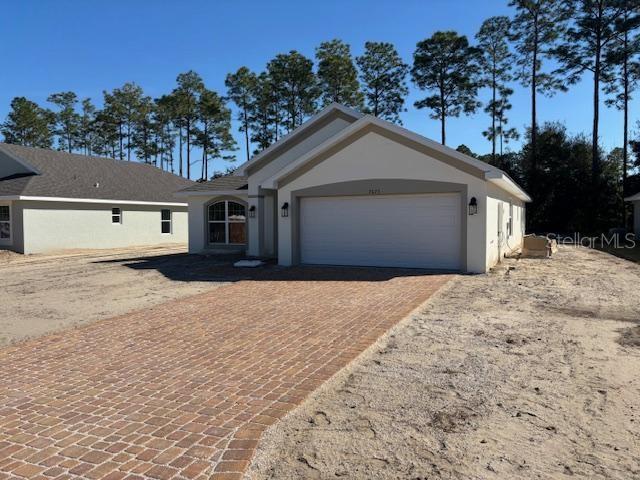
<point>67,120</point>
<point>105,134</point>
<point>264,113</point>
<point>295,84</point>
<point>502,106</point>
<point>535,28</point>
<point>240,88</point>
<point>143,137</point>
<point>382,75</point>
<point>167,131</point>
<point>113,114</point>
<point>446,65</point>
<point>337,75</point>
<point>495,64</point>
<point>28,124</point>
<point>584,49</point>
<point>186,97</point>
<point>86,127</point>
<point>214,135</point>
<point>623,56</point>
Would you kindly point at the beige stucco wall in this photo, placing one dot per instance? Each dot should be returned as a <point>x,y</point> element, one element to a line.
<point>50,226</point>
<point>506,244</point>
<point>376,157</point>
<point>198,235</point>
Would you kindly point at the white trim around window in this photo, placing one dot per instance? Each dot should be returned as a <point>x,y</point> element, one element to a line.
<point>6,224</point>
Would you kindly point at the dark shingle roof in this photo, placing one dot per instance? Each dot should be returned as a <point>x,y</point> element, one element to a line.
<point>70,175</point>
<point>228,182</point>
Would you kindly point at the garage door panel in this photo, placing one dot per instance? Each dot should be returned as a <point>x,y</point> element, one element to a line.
<point>421,231</point>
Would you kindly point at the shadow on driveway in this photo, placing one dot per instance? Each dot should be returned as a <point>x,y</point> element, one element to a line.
<point>219,268</point>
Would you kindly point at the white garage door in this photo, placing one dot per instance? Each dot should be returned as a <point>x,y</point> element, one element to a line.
<point>417,231</point>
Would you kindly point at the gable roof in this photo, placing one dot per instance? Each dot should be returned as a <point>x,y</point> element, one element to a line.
<point>226,183</point>
<point>369,123</point>
<point>315,123</point>
<point>70,176</point>
<point>633,198</point>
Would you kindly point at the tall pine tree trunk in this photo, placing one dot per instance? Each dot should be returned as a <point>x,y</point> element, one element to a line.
<point>246,129</point>
<point>595,160</point>
<point>443,120</point>
<point>128,142</point>
<point>625,134</point>
<point>204,152</point>
<point>188,149</point>
<point>493,115</point>
<point>534,124</point>
<point>121,138</point>
<point>180,150</point>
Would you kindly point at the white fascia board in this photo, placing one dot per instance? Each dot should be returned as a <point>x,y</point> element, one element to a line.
<point>89,200</point>
<point>210,193</point>
<point>633,198</point>
<point>242,169</point>
<point>503,181</point>
<point>272,182</point>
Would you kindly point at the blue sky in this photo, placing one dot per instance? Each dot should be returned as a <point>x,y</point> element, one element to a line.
<point>87,47</point>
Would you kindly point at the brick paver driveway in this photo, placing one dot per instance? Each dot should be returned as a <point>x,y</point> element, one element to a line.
<point>185,389</point>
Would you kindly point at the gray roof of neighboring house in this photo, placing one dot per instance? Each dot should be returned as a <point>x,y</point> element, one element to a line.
<point>69,175</point>
<point>228,182</point>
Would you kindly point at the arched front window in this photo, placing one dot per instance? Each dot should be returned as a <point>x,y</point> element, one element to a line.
<point>227,223</point>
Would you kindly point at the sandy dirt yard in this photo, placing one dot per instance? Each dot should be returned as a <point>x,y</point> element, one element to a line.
<point>44,293</point>
<point>519,374</point>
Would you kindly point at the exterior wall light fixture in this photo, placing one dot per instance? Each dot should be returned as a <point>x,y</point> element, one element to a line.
<point>473,206</point>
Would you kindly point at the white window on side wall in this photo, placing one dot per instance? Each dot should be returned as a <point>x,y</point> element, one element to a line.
<point>116,216</point>
<point>5,223</point>
<point>165,221</point>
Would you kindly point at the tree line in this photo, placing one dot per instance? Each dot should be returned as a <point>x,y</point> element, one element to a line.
<point>546,46</point>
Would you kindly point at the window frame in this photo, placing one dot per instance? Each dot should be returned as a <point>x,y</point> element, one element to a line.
<point>169,221</point>
<point>119,215</point>
<point>226,222</point>
<point>510,221</point>
<point>8,241</point>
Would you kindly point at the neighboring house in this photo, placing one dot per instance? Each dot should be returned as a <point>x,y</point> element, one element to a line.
<point>53,200</point>
<point>351,189</point>
<point>635,201</point>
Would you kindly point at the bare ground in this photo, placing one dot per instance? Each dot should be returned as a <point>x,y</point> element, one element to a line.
<point>519,374</point>
<point>45,293</point>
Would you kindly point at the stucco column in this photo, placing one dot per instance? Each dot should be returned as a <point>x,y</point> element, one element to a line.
<point>256,226</point>
<point>285,229</point>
